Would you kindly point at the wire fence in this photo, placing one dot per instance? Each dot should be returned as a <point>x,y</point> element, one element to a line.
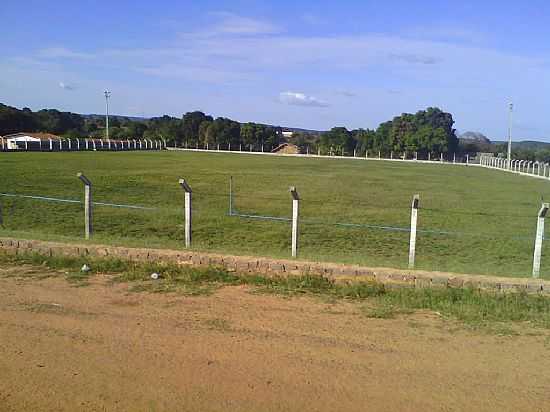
<point>241,220</point>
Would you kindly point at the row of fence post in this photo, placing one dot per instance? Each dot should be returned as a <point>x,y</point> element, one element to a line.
<point>85,144</point>
<point>333,153</point>
<point>187,215</point>
<point>531,167</point>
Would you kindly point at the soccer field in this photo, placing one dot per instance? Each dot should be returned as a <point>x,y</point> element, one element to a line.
<point>471,220</point>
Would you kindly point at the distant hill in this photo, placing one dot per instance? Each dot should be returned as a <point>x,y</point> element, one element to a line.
<point>114,116</point>
<point>526,144</point>
<point>474,137</point>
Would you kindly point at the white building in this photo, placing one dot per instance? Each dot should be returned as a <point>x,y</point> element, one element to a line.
<point>17,141</point>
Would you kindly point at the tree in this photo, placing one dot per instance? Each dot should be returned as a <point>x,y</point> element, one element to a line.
<point>190,125</point>
<point>337,141</point>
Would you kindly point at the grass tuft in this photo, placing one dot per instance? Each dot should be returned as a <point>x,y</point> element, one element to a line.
<point>472,307</point>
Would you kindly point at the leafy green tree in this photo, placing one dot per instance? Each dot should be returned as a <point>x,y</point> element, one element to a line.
<point>190,125</point>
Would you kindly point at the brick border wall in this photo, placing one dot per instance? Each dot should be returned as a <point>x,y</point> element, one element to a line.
<point>267,266</point>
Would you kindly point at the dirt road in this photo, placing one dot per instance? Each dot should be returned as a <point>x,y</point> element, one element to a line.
<point>103,348</point>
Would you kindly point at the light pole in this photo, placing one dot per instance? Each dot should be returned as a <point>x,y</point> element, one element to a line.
<point>107,95</point>
<point>509,158</point>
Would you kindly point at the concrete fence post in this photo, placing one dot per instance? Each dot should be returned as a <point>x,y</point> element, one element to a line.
<point>366,154</point>
<point>429,156</point>
<point>404,155</point>
<point>391,154</point>
<point>229,147</point>
<point>412,241</point>
<point>88,214</point>
<point>379,154</point>
<point>295,212</point>
<point>441,157</point>
<point>51,145</point>
<point>538,239</point>
<point>454,157</point>
<point>188,212</point>
<point>467,159</point>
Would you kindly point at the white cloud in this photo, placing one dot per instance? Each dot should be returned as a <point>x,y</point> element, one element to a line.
<point>66,86</point>
<point>232,25</point>
<point>301,99</point>
<point>235,24</point>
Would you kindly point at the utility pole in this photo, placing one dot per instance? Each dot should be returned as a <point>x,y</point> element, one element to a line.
<point>107,95</point>
<point>509,157</point>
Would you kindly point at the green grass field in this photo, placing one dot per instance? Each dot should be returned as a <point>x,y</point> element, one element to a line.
<point>491,215</point>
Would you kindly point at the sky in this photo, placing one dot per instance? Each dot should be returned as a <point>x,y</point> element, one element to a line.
<point>310,64</point>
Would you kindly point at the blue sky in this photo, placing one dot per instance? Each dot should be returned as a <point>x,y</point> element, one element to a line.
<point>312,64</point>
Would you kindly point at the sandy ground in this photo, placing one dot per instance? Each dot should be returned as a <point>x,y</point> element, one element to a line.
<point>103,348</point>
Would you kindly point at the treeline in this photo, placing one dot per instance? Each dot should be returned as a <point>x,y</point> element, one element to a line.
<point>194,128</point>
<point>429,130</point>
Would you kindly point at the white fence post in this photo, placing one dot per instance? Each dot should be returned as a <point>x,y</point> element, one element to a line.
<point>87,204</point>
<point>187,214</point>
<point>538,239</point>
<point>295,212</point>
<point>412,241</point>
